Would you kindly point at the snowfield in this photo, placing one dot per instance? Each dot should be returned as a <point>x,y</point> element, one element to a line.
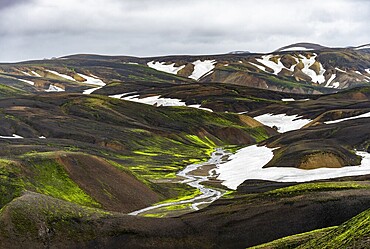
<point>161,66</point>
<point>283,122</point>
<point>201,68</point>
<point>247,164</point>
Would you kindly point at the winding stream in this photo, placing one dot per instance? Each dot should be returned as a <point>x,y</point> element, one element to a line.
<point>194,179</point>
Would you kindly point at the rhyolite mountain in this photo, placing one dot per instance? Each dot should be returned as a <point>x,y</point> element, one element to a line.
<point>87,139</point>
<point>298,68</point>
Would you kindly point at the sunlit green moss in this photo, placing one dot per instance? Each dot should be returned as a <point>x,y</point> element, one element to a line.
<point>294,240</point>
<point>319,186</point>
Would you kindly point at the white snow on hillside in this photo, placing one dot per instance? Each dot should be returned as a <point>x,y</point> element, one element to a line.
<point>27,81</point>
<point>365,115</point>
<point>308,62</point>
<point>283,122</point>
<point>368,70</point>
<point>161,66</point>
<point>340,70</point>
<point>293,100</point>
<point>53,88</point>
<point>25,73</point>
<point>157,101</point>
<point>363,47</point>
<point>67,77</point>
<point>201,68</point>
<point>36,74</point>
<point>91,90</point>
<point>14,136</point>
<point>92,80</point>
<point>296,49</point>
<point>247,164</point>
<point>332,77</point>
<point>270,64</point>
<point>258,66</point>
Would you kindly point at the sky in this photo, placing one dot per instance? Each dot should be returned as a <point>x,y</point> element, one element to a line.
<point>37,29</point>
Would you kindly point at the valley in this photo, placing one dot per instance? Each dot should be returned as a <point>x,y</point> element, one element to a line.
<point>216,151</point>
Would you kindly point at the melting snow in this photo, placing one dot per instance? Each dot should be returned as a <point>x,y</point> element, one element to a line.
<point>160,66</point>
<point>25,73</point>
<point>201,68</point>
<point>53,88</point>
<point>270,64</point>
<point>258,66</point>
<point>61,75</point>
<point>92,80</point>
<point>91,90</point>
<point>358,72</point>
<point>36,74</point>
<point>27,81</point>
<point>332,77</point>
<point>292,100</point>
<point>365,115</point>
<point>368,70</point>
<point>283,122</point>
<point>296,49</point>
<point>340,70</point>
<point>14,136</point>
<point>308,62</point>
<point>248,163</point>
<point>156,101</point>
<point>363,47</point>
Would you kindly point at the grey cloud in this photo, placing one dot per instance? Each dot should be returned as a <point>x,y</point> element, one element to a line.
<point>44,28</point>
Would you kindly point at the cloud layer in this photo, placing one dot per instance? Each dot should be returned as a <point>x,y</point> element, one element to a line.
<point>33,29</point>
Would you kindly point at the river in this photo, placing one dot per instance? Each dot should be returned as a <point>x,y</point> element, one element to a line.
<point>193,177</point>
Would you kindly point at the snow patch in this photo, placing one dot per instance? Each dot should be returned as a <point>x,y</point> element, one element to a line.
<point>270,64</point>
<point>36,74</point>
<point>247,164</point>
<point>156,101</point>
<point>363,47</point>
<point>67,77</point>
<point>14,136</point>
<point>53,88</point>
<point>27,74</point>
<point>332,77</point>
<point>308,62</point>
<point>201,68</point>
<point>283,122</point>
<point>27,81</point>
<point>92,80</point>
<point>258,66</point>
<point>365,115</point>
<point>296,49</point>
<point>160,66</point>
<point>91,90</point>
<point>340,70</point>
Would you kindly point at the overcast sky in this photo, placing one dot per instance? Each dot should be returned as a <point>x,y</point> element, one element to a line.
<point>36,29</point>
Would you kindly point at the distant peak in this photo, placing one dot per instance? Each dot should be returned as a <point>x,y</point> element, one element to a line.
<point>302,46</point>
